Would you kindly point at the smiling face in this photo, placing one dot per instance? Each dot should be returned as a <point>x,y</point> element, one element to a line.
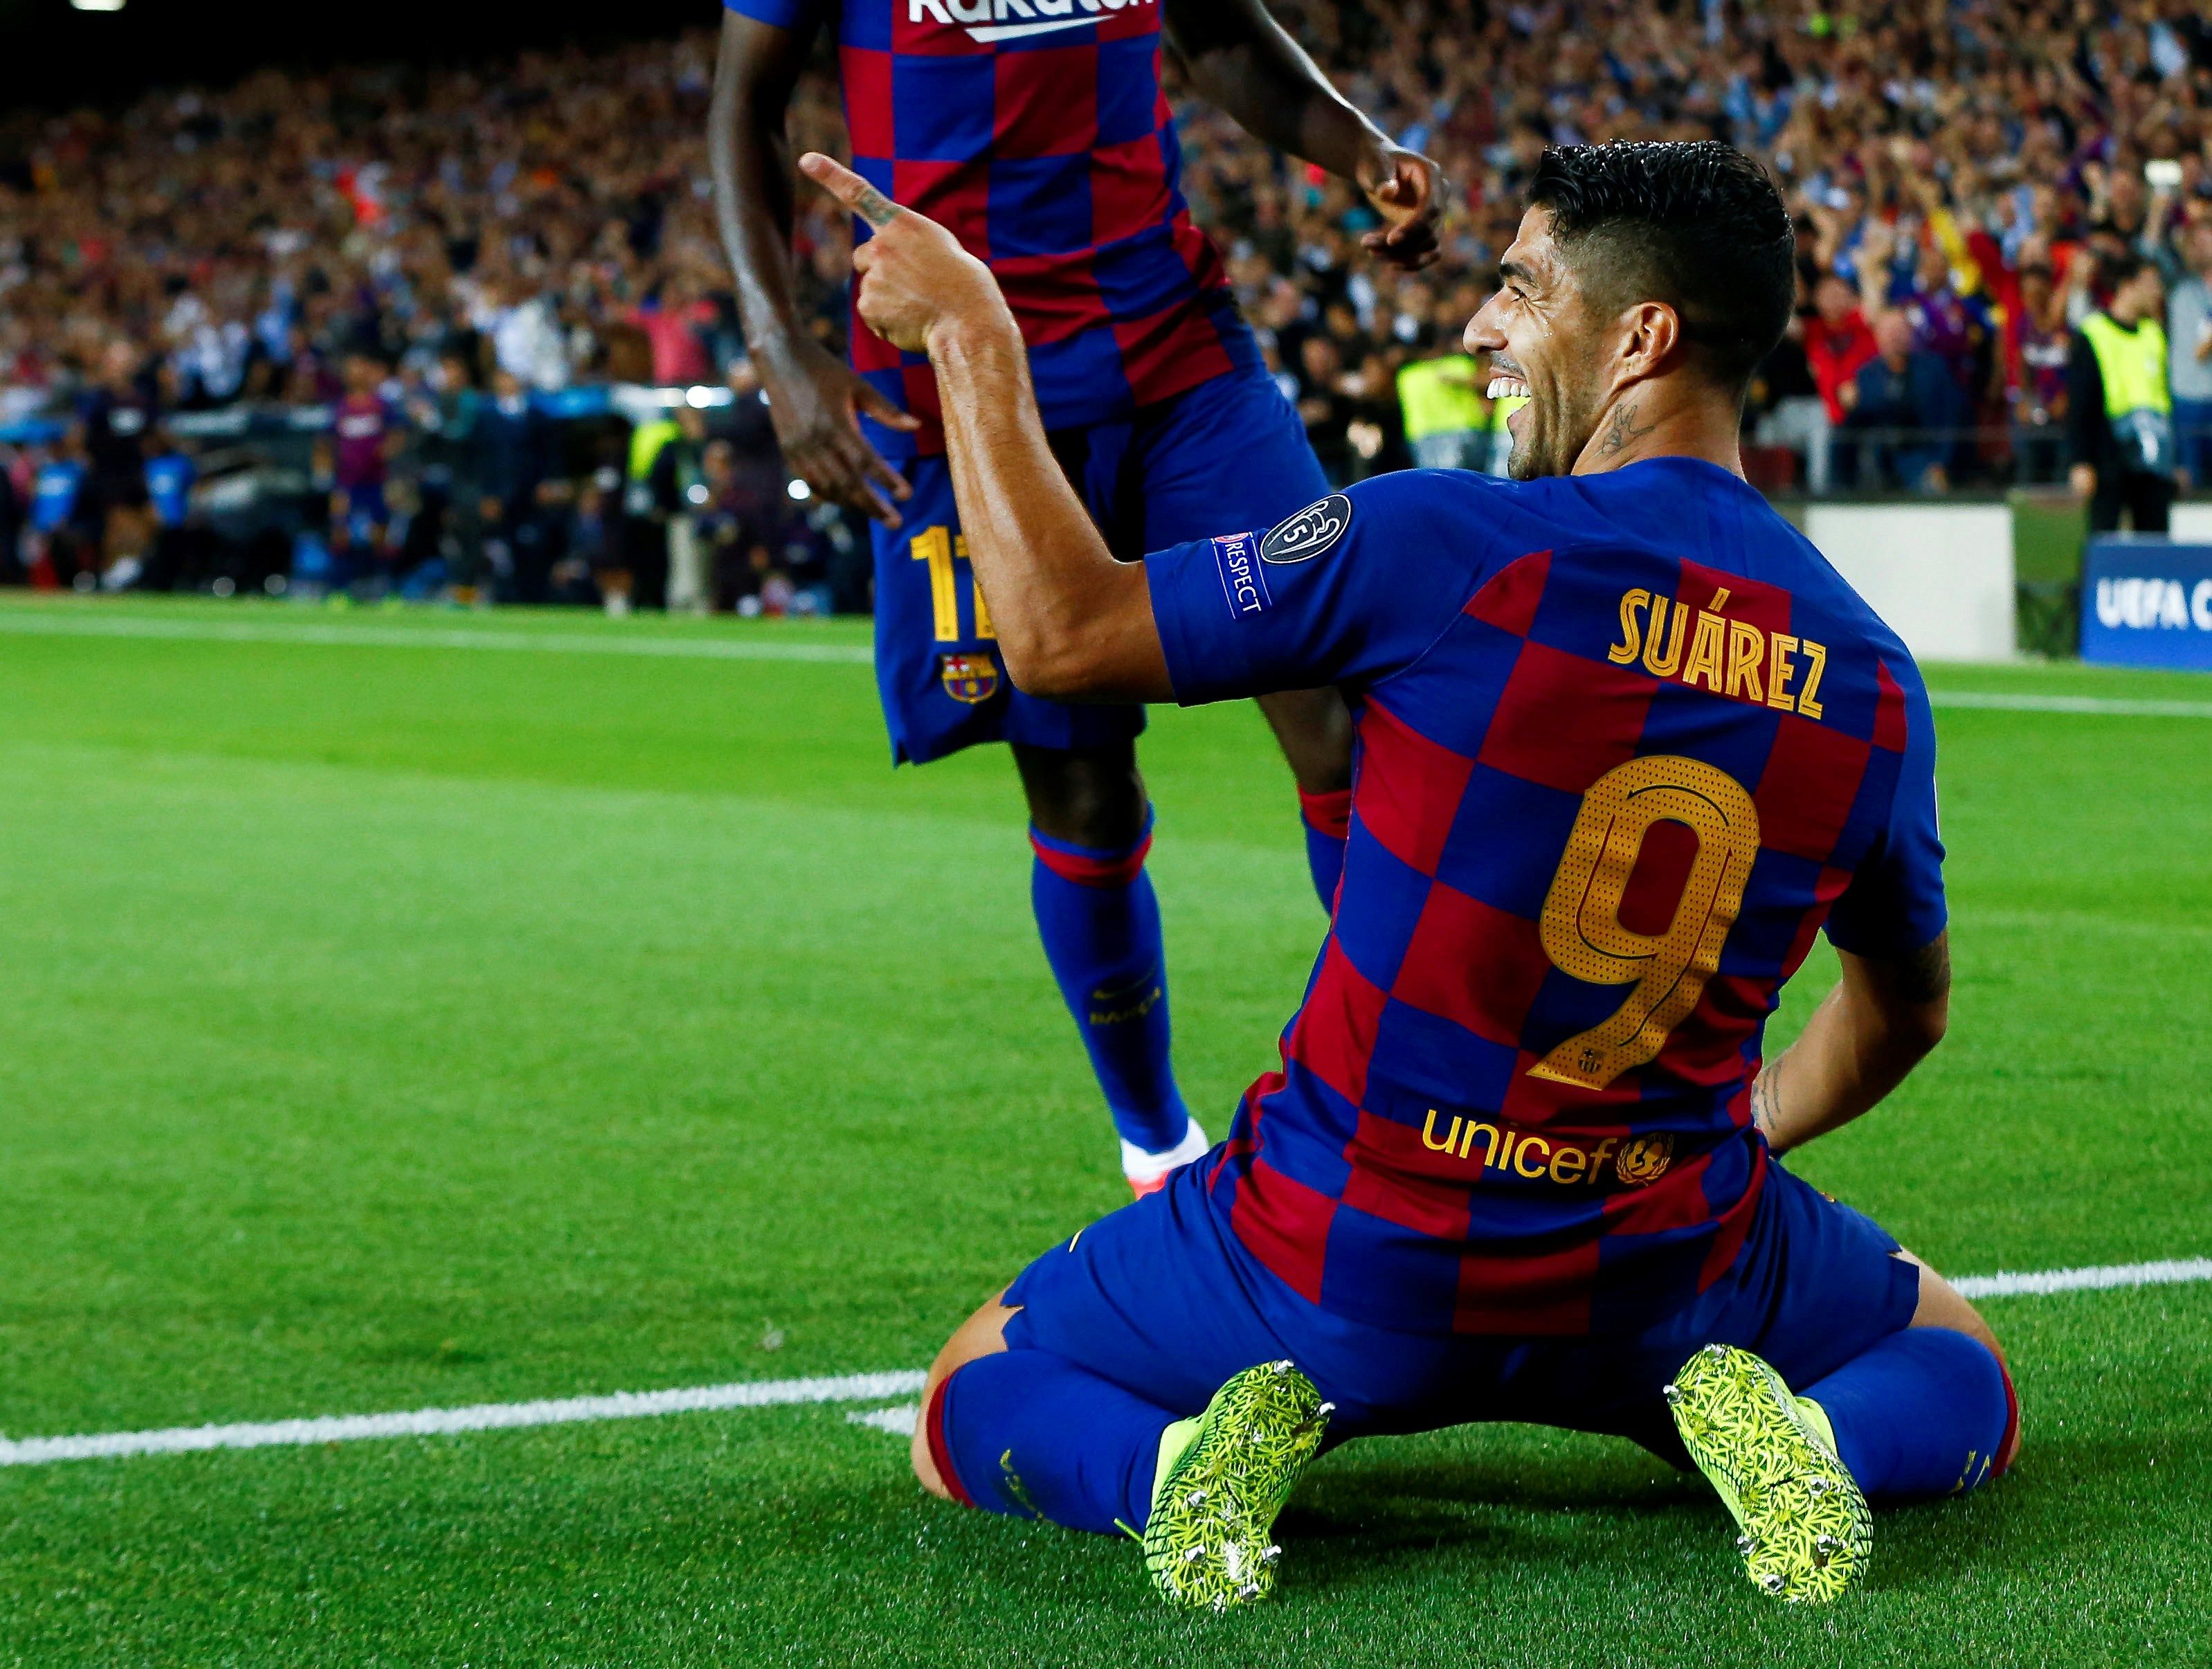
<point>1544,341</point>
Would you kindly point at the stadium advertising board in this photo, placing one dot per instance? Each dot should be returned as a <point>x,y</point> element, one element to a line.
<point>2148,602</point>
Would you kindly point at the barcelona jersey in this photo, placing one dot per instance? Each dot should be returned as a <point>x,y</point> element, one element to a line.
<point>1626,745</point>
<point>1036,131</point>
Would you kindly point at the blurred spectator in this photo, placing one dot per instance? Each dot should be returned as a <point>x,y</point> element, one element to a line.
<point>170,473</point>
<point>116,414</point>
<point>363,437</point>
<point>653,500</point>
<point>1837,342</point>
<point>2189,321</point>
<point>678,485</point>
<point>528,341</point>
<point>730,525</point>
<point>744,424</point>
<point>64,550</point>
<point>590,567</point>
<point>1447,418</point>
<point>2037,343</point>
<point>416,556</point>
<point>11,519</point>
<point>675,325</point>
<point>1899,404</point>
<point>2120,406</point>
<point>1790,409</point>
<point>1946,324</point>
<point>513,460</point>
<point>443,408</point>
<point>1325,406</point>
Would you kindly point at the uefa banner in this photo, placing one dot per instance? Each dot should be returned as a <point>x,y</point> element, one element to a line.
<point>2148,602</point>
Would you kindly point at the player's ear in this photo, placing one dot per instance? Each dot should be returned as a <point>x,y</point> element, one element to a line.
<point>1652,336</point>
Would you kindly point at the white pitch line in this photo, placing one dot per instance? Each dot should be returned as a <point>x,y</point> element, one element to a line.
<point>443,1421</point>
<point>2167,1272</point>
<point>30,622</point>
<point>898,1422</point>
<point>2106,706</point>
<point>784,1393</point>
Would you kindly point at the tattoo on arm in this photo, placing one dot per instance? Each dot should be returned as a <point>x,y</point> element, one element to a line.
<point>1925,975</point>
<point>1766,1102</point>
<point>1621,429</point>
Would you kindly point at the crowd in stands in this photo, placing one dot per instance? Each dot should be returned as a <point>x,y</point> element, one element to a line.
<point>434,256</point>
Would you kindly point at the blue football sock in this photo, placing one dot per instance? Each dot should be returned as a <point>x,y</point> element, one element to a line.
<point>1030,1434</point>
<point>1327,818</point>
<point>1100,921</point>
<point>1926,1412</point>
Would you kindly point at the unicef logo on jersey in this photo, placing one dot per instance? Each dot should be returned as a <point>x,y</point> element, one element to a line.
<point>1013,19</point>
<point>1308,534</point>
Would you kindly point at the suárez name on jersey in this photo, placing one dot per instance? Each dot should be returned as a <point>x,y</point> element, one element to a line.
<point>1012,19</point>
<point>1705,649</point>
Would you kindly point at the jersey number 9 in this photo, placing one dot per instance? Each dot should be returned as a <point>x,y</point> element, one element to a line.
<point>1582,929</point>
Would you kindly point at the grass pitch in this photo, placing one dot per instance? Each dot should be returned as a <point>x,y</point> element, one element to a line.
<point>397,1027</point>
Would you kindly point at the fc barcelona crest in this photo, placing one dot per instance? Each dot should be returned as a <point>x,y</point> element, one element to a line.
<point>973,679</point>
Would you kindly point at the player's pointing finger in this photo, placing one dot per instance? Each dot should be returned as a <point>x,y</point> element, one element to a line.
<point>849,188</point>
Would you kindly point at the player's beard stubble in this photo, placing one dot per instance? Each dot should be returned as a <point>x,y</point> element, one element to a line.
<point>1556,424</point>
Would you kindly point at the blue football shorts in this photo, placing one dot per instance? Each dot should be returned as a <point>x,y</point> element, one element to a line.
<point>361,509</point>
<point>1163,1300</point>
<point>1229,456</point>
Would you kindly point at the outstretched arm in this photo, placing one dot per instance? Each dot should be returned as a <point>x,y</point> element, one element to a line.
<point>1244,61</point>
<point>1072,623</point>
<point>1874,1028</point>
<point>813,397</point>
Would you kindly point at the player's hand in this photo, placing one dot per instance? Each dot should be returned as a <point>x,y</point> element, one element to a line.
<point>1408,190</point>
<point>915,277</point>
<point>815,400</point>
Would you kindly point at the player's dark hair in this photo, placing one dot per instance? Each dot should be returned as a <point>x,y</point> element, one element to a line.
<point>1695,224</point>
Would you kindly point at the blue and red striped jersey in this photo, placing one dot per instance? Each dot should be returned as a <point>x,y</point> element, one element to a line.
<point>1036,131</point>
<point>1626,743</point>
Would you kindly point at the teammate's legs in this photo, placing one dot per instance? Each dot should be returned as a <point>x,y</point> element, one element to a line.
<point>1229,457</point>
<point>944,690</point>
<point>1089,830</point>
<point>1314,729</point>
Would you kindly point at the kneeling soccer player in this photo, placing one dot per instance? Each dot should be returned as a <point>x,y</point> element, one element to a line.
<point>1626,744</point>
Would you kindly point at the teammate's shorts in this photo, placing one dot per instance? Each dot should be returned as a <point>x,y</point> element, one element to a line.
<point>1163,1300</point>
<point>1228,456</point>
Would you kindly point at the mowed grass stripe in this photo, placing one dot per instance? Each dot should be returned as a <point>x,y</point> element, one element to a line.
<point>33,623</point>
<point>2094,706</point>
<point>784,1393</point>
<point>42,622</point>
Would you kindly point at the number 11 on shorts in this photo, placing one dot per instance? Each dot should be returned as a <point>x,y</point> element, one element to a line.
<point>946,554</point>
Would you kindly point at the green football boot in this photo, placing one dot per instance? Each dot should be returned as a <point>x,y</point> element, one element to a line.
<point>1807,1533</point>
<point>1214,1504</point>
